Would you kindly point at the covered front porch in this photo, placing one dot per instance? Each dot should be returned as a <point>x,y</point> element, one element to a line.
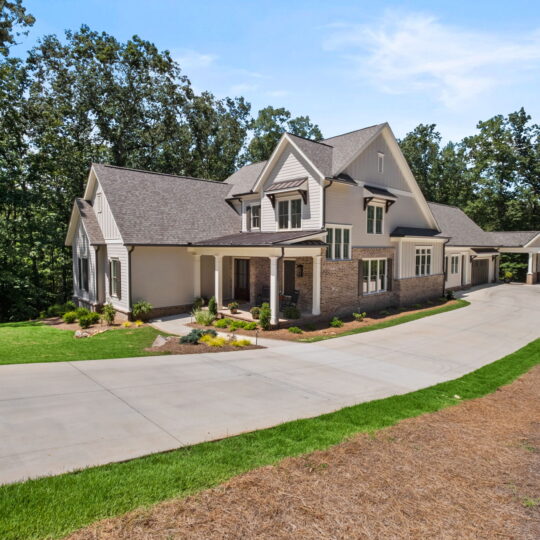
<point>533,262</point>
<point>284,275</point>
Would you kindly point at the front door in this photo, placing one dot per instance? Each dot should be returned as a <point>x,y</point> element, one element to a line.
<point>241,279</point>
<point>288,277</point>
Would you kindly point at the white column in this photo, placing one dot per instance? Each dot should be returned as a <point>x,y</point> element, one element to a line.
<point>196,276</point>
<point>274,293</point>
<point>316,307</point>
<point>218,280</point>
<point>531,260</point>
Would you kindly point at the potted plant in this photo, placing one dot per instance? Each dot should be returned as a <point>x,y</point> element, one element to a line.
<point>233,307</point>
<point>255,312</point>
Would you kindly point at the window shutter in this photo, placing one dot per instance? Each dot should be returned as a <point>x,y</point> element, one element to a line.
<point>110,277</point>
<point>389,274</point>
<point>360,277</point>
<point>119,271</point>
<point>248,218</point>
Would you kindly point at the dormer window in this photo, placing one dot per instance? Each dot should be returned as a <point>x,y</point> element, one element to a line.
<point>380,162</point>
<point>375,218</point>
<point>98,203</point>
<point>290,214</point>
<point>256,216</point>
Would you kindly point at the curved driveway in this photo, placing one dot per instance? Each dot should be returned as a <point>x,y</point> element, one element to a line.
<point>58,417</point>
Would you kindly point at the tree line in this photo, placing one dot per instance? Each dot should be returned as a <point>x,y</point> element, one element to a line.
<point>90,98</point>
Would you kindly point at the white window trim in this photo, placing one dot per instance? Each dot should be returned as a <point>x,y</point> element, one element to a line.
<point>99,203</point>
<point>452,259</point>
<point>380,162</point>
<point>335,226</point>
<point>251,226</point>
<point>289,228</point>
<point>370,260</point>
<point>375,204</point>
<point>430,249</point>
<point>115,293</point>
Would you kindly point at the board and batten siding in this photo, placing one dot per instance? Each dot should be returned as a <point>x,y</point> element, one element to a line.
<point>408,253</point>
<point>104,215</point>
<point>81,248</point>
<point>120,252</point>
<point>290,165</point>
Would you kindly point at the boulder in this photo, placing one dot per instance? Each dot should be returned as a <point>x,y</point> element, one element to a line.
<point>81,334</point>
<point>159,341</point>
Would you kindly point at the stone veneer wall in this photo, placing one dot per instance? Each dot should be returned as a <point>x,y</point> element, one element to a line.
<point>340,293</point>
<point>419,289</point>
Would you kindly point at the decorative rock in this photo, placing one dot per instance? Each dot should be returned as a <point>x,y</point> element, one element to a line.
<point>80,334</point>
<point>159,341</point>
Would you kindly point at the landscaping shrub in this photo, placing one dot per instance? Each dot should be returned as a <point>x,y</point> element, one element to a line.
<point>222,323</point>
<point>56,310</point>
<point>417,306</point>
<point>265,316</point>
<point>196,334</point>
<point>255,312</point>
<point>138,323</point>
<point>291,312</point>
<point>69,306</point>
<point>250,326</point>
<point>295,330</point>
<point>212,306</point>
<point>70,317</point>
<point>384,313</point>
<point>198,303</point>
<point>359,316</point>
<point>204,317</point>
<point>142,309</point>
<point>126,324</point>
<point>233,307</point>
<point>450,295</point>
<point>213,341</point>
<point>84,321</point>
<point>310,327</point>
<point>336,323</point>
<point>108,313</point>
<point>94,317</point>
<point>240,343</point>
<point>82,312</point>
<point>235,325</point>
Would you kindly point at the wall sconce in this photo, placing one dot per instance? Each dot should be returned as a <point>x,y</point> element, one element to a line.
<point>299,270</point>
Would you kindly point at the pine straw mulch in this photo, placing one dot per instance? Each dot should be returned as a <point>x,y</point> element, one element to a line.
<point>469,471</point>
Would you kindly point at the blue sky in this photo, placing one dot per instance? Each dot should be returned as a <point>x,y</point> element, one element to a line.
<point>347,64</point>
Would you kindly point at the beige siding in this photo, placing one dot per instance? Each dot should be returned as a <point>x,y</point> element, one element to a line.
<point>407,265</point>
<point>120,252</point>
<point>454,280</point>
<point>105,217</point>
<point>81,248</point>
<point>291,165</point>
<point>162,276</point>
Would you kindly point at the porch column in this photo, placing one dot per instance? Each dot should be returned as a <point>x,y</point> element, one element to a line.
<point>218,280</point>
<point>274,300</point>
<point>316,304</point>
<point>196,275</point>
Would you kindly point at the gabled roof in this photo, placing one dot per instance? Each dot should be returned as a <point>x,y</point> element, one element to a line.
<point>85,212</point>
<point>162,209</point>
<point>513,238</point>
<point>318,153</point>
<point>253,239</point>
<point>243,180</point>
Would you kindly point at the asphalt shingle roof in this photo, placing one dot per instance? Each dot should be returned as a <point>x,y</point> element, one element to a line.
<point>512,238</point>
<point>243,180</point>
<point>90,222</point>
<point>162,209</point>
<point>319,153</point>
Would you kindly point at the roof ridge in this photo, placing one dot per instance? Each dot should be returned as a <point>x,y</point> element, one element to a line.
<point>354,131</point>
<point>185,177</point>
<point>309,140</point>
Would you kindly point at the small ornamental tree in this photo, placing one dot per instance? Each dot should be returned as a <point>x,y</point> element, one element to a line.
<point>212,306</point>
<point>108,313</point>
<point>265,316</point>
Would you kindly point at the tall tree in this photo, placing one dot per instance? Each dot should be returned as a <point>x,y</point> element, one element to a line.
<point>268,128</point>
<point>13,18</point>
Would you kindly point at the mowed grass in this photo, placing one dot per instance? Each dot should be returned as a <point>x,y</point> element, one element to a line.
<point>53,507</point>
<point>392,322</point>
<point>28,342</point>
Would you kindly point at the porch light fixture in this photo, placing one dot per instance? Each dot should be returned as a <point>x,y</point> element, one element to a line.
<point>299,270</point>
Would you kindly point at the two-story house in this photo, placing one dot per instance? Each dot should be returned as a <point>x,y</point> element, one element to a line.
<point>340,223</point>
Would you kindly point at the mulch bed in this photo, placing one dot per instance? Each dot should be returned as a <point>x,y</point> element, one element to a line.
<point>321,327</point>
<point>174,347</point>
<point>469,471</point>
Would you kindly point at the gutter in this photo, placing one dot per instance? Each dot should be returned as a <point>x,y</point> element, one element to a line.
<point>96,251</point>
<point>445,270</point>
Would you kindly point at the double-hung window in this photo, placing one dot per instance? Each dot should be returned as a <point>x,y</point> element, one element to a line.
<point>256,216</point>
<point>83,273</point>
<point>339,243</point>
<point>454,264</point>
<point>423,261</point>
<point>115,278</point>
<point>374,276</point>
<point>290,214</point>
<point>375,218</point>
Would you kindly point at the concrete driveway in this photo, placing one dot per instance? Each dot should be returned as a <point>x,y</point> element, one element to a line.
<point>58,417</point>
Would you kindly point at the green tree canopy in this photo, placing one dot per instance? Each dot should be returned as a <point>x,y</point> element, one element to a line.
<point>13,18</point>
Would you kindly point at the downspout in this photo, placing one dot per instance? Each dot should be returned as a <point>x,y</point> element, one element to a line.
<point>324,203</point>
<point>96,251</point>
<point>445,270</point>
<point>130,249</point>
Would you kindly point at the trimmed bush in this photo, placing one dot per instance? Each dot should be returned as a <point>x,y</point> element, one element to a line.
<point>138,323</point>
<point>94,317</point>
<point>82,312</point>
<point>70,317</point>
<point>295,330</point>
<point>85,321</point>
<point>126,324</point>
<point>142,309</point>
<point>212,306</point>
<point>359,316</point>
<point>450,295</point>
<point>69,306</point>
<point>336,323</point>
<point>213,341</point>
<point>196,334</point>
<point>108,313</point>
<point>240,343</point>
<point>250,326</point>
<point>235,325</point>
<point>221,323</point>
<point>56,310</point>
<point>291,312</point>
<point>204,317</point>
<point>198,303</point>
<point>265,316</point>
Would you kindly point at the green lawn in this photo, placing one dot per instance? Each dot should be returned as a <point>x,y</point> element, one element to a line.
<point>392,322</point>
<point>28,342</point>
<point>53,507</point>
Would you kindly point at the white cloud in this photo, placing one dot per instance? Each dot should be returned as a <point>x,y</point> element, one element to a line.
<point>277,93</point>
<point>242,88</point>
<point>416,53</point>
<point>188,58</point>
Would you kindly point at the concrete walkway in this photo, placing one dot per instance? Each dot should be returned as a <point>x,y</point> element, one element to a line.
<point>58,417</point>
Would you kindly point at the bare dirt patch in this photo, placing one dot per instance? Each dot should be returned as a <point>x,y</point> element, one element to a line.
<point>469,471</point>
<point>174,347</point>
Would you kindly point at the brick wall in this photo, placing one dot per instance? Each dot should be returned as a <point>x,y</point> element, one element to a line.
<point>259,276</point>
<point>304,283</point>
<point>418,289</point>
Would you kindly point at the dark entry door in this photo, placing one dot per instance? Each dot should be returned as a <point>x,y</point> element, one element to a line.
<point>480,272</point>
<point>241,279</point>
<point>288,277</point>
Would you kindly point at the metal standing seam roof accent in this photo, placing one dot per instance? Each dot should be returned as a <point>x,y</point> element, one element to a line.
<point>90,222</point>
<point>257,239</point>
<point>287,184</point>
<point>415,231</point>
<point>380,192</point>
